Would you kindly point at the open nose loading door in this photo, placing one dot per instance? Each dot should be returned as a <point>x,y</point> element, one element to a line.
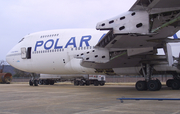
<point>23,53</point>
<point>26,54</point>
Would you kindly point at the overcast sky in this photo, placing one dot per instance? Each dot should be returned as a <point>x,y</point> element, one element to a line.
<point>21,17</point>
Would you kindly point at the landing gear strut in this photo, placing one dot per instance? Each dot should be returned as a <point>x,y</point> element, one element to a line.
<point>33,81</point>
<point>148,83</point>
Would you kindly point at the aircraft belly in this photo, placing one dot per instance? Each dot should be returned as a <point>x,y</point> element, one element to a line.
<point>166,68</point>
<point>127,71</point>
<point>59,63</point>
<point>47,63</point>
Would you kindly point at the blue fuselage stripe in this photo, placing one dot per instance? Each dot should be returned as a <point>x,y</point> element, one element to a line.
<point>175,36</point>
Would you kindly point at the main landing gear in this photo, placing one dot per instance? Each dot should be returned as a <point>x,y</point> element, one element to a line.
<point>174,83</point>
<point>33,81</point>
<point>148,83</point>
<point>151,85</point>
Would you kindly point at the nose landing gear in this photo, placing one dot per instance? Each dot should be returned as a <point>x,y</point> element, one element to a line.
<point>174,83</point>
<point>33,81</point>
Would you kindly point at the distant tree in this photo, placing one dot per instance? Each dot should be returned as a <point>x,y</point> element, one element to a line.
<point>2,63</point>
<point>19,73</point>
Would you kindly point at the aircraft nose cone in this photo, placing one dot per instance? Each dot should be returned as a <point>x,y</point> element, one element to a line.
<point>8,58</point>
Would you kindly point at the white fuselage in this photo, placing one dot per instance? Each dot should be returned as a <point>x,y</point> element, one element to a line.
<point>53,52</point>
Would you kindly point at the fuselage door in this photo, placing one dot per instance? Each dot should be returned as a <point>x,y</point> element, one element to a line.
<point>23,53</point>
<point>28,53</point>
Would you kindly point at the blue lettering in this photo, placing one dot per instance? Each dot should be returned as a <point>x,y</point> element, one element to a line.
<point>71,43</point>
<point>85,39</point>
<point>38,44</point>
<point>57,47</point>
<point>52,42</point>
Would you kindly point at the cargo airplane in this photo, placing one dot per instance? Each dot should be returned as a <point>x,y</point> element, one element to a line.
<point>124,45</point>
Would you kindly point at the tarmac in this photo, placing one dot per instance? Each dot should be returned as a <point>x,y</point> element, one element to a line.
<point>65,98</point>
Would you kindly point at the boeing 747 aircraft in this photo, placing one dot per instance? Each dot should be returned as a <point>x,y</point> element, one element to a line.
<point>128,46</point>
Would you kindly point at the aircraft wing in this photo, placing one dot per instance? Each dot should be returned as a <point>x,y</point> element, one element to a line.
<point>146,19</point>
<point>135,36</point>
<point>155,5</point>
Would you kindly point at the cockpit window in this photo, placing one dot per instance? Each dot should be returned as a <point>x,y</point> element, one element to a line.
<point>21,40</point>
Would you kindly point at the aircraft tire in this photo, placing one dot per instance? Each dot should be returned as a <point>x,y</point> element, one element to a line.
<point>81,83</point>
<point>30,83</point>
<point>175,84</point>
<point>46,82</point>
<point>169,82</point>
<point>51,82</point>
<point>159,84</point>
<point>152,85</point>
<point>40,82</point>
<point>35,82</point>
<point>141,85</point>
<point>87,83</point>
<point>76,82</point>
